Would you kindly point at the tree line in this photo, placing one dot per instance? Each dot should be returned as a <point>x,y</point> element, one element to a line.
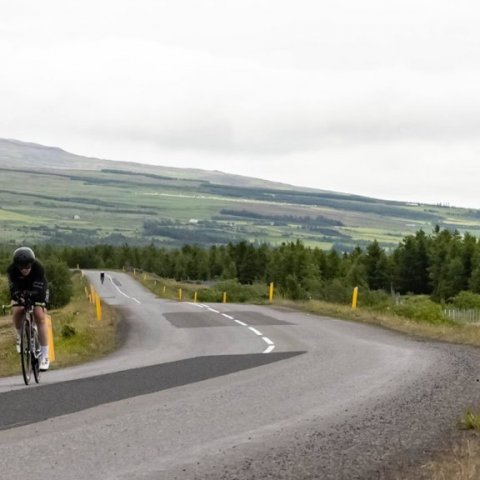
<point>440,264</point>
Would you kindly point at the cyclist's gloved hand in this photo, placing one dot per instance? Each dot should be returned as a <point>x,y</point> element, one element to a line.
<point>17,296</point>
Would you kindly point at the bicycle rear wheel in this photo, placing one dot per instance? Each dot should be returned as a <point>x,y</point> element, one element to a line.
<point>25,355</point>
<point>35,354</point>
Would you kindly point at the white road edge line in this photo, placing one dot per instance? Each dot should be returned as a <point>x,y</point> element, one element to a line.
<point>227,316</point>
<point>241,323</point>
<point>267,340</point>
<point>213,310</point>
<point>119,291</point>
<point>269,349</point>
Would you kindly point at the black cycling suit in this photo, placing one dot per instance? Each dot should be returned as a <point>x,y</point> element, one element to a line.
<point>35,283</point>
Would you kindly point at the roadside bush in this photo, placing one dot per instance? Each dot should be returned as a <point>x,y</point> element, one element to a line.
<point>4,291</point>
<point>466,300</point>
<point>420,308</point>
<point>376,299</point>
<point>59,282</point>
<point>236,292</point>
<point>336,291</point>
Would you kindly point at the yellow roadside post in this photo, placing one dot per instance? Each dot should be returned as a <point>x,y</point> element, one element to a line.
<point>270,292</point>
<point>195,297</point>
<point>354,298</point>
<point>98,306</point>
<point>51,348</point>
<point>86,293</point>
<point>179,294</point>
<point>92,290</point>
<point>224,297</point>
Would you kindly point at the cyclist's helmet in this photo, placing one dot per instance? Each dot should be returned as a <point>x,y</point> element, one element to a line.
<point>23,257</point>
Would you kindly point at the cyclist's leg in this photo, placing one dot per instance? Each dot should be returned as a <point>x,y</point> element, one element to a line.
<point>40,319</point>
<point>17,318</point>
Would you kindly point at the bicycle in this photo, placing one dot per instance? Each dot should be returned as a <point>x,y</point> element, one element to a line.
<point>29,343</point>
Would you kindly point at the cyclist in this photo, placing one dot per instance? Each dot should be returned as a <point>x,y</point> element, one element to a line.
<point>27,275</point>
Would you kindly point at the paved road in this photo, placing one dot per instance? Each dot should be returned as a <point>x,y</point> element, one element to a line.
<point>224,391</point>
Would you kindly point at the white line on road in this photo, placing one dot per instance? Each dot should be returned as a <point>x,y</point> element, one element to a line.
<point>270,344</point>
<point>119,291</point>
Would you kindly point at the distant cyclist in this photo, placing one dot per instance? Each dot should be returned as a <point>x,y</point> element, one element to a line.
<point>27,275</point>
<point>102,277</point>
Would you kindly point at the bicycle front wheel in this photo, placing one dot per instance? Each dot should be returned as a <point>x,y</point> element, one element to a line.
<point>35,354</point>
<point>25,353</point>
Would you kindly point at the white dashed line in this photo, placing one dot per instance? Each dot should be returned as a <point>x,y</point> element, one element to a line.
<point>255,331</point>
<point>270,344</point>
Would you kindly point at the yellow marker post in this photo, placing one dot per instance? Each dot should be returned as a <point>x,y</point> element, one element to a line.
<point>224,297</point>
<point>98,306</point>
<point>179,294</point>
<point>51,348</point>
<point>270,292</point>
<point>92,290</point>
<point>86,293</point>
<point>195,297</point>
<point>354,298</point>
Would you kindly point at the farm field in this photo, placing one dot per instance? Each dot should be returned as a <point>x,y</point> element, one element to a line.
<point>50,196</point>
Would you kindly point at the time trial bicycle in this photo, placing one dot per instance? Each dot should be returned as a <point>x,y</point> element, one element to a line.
<point>29,342</point>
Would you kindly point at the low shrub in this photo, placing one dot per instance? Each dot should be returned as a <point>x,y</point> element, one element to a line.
<point>466,300</point>
<point>420,308</point>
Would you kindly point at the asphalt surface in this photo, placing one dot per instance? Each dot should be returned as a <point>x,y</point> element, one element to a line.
<point>223,391</point>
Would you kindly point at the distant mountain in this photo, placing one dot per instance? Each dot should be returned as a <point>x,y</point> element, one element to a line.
<point>17,154</point>
<point>50,195</point>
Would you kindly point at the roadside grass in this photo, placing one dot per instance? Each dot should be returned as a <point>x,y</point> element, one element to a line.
<point>78,336</point>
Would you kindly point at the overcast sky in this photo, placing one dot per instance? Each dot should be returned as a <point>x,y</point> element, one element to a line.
<point>373,97</point>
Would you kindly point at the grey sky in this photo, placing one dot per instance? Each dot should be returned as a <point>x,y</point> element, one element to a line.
<point>378,97</point>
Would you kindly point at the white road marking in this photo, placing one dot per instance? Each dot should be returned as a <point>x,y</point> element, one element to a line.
<point>270,344</point>
<point>119,291</point>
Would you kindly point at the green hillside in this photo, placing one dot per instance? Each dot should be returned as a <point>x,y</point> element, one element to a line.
<point>49,195</point>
